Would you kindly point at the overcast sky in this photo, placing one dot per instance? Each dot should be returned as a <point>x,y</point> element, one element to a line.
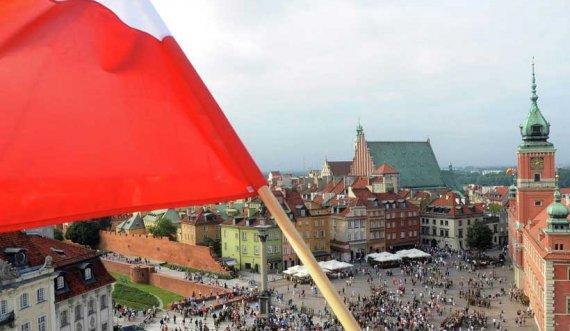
<point>294,77</point>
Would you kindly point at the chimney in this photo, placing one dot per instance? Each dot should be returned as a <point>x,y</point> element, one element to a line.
<point>234,221</point>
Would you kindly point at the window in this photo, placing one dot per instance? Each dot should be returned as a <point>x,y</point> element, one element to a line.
<point>410,233</point>
<point>446,223</point>
<point>244,249</point>
<point>269,249</point>
<point>104,327</point>
<point>277,250</point>
<point>235,235</point>
<point>103,301</point>
<point>538,202</point>
<point>460,234</point>
<point>4,305</point>
<point>350,225</point>
<point>63,318</point>
<point>362,223</point>
<point>316,222</point>
<point>460,223</point>
<point>25,327</point>
<point>40,295</point>
<point>316,234</point>
<point>88,274</point>
<point>42,323</point>
<point>537,177</point>
<point>322,222</point>
<point>468,222</point>
<point>225,233</point>
<point>244,236</point>
<point>78,312</point>
<point>322,233</point>
<point>256,250</point>
<point>24,301</point>
<point>307,234</point>
<point>91,306</point>
<point>59,283</point>
<point>402,234</point>
<point>567,305</point>
<point>237,248</point>
<point>440,222</point>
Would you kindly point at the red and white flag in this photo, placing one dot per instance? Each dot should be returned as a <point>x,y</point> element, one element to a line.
<point>102,113</point>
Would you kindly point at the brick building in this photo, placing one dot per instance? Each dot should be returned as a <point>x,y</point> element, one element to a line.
<point>539,231</point>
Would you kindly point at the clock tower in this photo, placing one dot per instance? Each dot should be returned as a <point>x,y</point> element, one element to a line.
<point>536,168</point>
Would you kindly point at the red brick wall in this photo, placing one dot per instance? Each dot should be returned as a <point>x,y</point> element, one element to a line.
<point>118,267</point>
<point>176,285</point>
<point>183,287</point>
<point>160,249</point>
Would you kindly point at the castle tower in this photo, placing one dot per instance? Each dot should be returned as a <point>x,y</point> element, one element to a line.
<point>536,166</point>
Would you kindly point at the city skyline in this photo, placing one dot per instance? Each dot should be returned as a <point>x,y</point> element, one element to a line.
<point>295,78</point>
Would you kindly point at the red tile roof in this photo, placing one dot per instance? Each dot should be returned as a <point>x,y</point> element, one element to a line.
<point>202,217</point>
<point>293,200</point>
<point>451,204</point>
<point>359,183</point>
<point>65,258</point>
<point>340,168</point>
<point>384,169</point>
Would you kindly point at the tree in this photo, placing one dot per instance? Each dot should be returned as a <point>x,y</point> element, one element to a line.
<point>84,233</point>
<point>479,237</point>
<point>215,244</point>
<point>494,208</point>
<point>103,223</point>
<point>163,228</point>
<point>57,234</point>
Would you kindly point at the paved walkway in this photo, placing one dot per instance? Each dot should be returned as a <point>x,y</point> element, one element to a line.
<point>360,286</point>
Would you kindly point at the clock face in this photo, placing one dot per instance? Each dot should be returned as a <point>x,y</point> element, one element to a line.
<point>537,163</point>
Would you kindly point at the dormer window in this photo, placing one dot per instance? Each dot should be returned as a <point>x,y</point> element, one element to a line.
<point>87,272</point>
<point>17,256</point>
<point>59,283</point>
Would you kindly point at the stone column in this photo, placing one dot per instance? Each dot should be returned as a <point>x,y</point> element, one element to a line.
<point>264,295</point>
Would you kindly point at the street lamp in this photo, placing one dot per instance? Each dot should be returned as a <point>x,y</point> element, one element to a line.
<point>264,295</point>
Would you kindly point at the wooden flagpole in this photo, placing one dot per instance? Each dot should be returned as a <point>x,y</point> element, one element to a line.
<point>298,244</point>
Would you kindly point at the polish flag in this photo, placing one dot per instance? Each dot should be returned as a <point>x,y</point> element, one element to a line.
<point>102,113</point>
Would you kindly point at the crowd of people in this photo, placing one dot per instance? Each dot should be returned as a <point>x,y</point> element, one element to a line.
<point>419,296</point>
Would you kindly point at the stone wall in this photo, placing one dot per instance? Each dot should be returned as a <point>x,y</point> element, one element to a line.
<point>180,286</point>
<point>184,287</point>
<point>160,249</point>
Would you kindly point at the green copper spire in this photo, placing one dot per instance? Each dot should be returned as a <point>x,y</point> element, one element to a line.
<point>535,128</point>
<point>359,129</point>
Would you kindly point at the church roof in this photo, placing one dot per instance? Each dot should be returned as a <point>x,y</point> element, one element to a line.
<point>414,160</point>
<point>339,168</point>
<point>449,180</point>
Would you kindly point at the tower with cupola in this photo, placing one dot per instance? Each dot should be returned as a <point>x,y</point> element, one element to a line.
<point>536,166</point>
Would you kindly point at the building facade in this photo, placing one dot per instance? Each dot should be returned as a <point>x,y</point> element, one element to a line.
<point>240,241</point>
<point>58,286</point>
<point>200,227</point>
<point>539,232</point>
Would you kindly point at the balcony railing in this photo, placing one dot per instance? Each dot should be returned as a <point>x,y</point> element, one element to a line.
<point>7,318</point>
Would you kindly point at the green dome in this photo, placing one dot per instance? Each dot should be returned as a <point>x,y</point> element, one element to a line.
<point>535,127</point>
<point>558,210</point>
<point>513,191</point>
